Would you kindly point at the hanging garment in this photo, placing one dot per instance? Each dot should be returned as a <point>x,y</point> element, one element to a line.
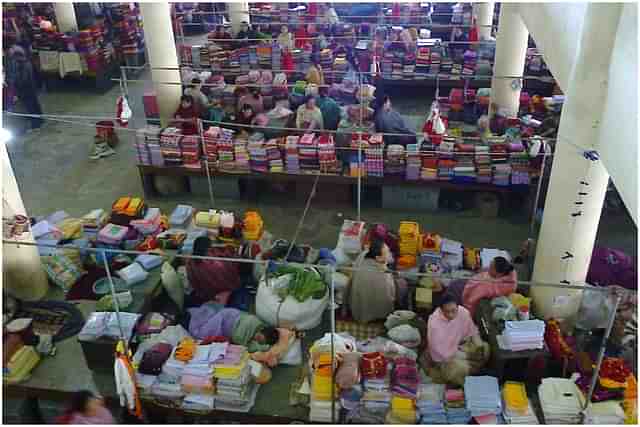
<point>123,111</point>
<point>126,385</point>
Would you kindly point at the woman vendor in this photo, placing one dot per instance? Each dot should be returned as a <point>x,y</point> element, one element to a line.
<point>373,292</point>
<point>500,280</point>
<point>187,115</point>
<point>314,74</point>
<point>389,120</point>
<point>454,348</point>
<point>254,99</point>
<point>211,280</point>
<point>241,328</point>
<point>309,116</point>
<point>246,116</point>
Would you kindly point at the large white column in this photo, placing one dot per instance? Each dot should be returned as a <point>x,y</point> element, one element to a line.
<point>483,12</point>
<point>580,125</point>
<point>161,49</point>
<point>238,12</point>
<point>65,17</point>
<point>22,273</point>
<point>511,51</point>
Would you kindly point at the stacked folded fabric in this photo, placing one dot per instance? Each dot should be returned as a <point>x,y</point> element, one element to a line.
<point>149,224</point>
<point>340,67</point>
<point>241,155</point>
<point>429,171</point>
<point>377,393</point>
<point>483,164</point>
<point>607,412</point>
<point>464,171</point>
<point>93,222</point>
<point>524,335</point>
<point>502,174</point>
<point>274,156</point>
<point>258,153</point>
<point>308,152</point>
<point>221,143</point>
<point>235,387</point>
<point>148,146</point>
<point>403,410</point>
<point>292,157</point>
<point>170,146</point>
<point>414,162</point>
<point>405,378</point>
<point>374,157</point>
<point>112,234</point>
<point>457,413</point>
<point>395,162</point>
<point>181,216</point>
<point>483,395</point>
<point>430,404</point>
<point>519,168</point>
<point>409,238</point>
<point>561,401</point>
<point>327,154</point>
<point>469,65</point>
<point>517,407</point>
<point>211,145</point>
<point>190,147</point>
<point>324,391</point>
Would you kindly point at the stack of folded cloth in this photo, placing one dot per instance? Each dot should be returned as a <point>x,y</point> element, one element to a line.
<point>502,174</point>
<point>403,411</point>
<point>414,162</point>
<point>292,157</point>
<point>483,395</point>
<point>469,65</point>
<point>308,152</point>
<point>167,387</point>
<point>190,147</point>
<point>149,224</point>
<point>258,153</point>
<point>236,389</point>
<point>457,413</point>
<point>93,222</point>
<point>387,65</point>
<point>519,165</point>
<point>374,156</point>
<point>323,391</point>
<point>18,366</point>
<point>340,67</point>
<point>409,238</point>
<point>395,162</point>
<point>253,57</point>
<point>224,149</point>
<point>327,154</point>
<point>326,62</point>
<point>523,335</point>
<point>170,146</point>
<point>483,164</point>
<point>187,245</point>
<point>241,156</point>
<point>264,56</point>
<point>181,216</point>
<point>112,234</point>
<point>446,169</point>
<point>464,171</point>
<point>405,378</point>
<point>148,146</point>
<point>377,394</point>
<point>211,144</point>
<point>517,407</point>
<point>429,171</point>
<point>276,164</point>
<point>607,412</point>
<point>276,56</point>
<point>561,401</point>
<point>423,61</point>
<point>430,404</point>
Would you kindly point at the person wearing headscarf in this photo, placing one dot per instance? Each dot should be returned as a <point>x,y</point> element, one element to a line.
<point>500,280</point>
<point>389,120</point>
<point>21,77</point>
<point>309,116</point>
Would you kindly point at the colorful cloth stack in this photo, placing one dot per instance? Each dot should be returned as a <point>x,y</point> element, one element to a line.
<point>483,164</point>
<point>523,335</point>
<point>191,152</point>
<point>241,155</point>
<point>429,171</point>
<point>211,145</point>
<point>181,216</point>
<point>517,408</point>
<point>465,171</point>
<point>377,391</point>
<point>252,226</point>
<point>258,153</point>
<point>374,156</point>
<point>395,162</point>
<point>403,411</point>
<point>235,387</point>
<point>292,157</point>
<point>308,151</point>
<point>502,174</point>
<point>170,146</point>
<point>327,154</point>
<point>405,378</point>
<point>409,238</point>
<point>483,395</point>
<point>455,404</point>
<point>561,401</point>
<point>322,394</point>
<point>430,404</point>
<point>223,140</point>
<point>469,65</point>
<point>112,234</point>
<point>148,146</point>
<point>93,222</point>
<point>414,162</point>
<point>274,156</point>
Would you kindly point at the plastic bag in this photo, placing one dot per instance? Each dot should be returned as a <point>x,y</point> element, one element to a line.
<point>172,284</point>
<point>132,274</point>
<point>595,310</point>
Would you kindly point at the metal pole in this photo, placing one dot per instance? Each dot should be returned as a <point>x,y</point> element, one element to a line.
<point>206,163</point>
<point>603,347</point>
<point>359,174</point>
<point>532,224</point>
<point>123,76</point>
<point>115,302</point>
<point>333,332</point>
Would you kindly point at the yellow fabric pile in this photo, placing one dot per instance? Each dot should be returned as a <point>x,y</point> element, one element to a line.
<point>515,397</point>
<point>208,219</point>
<point>186,349</point>
<point>230,372</point>
<point>403,410</point>
<point>409,238</point>
<point>322,379</point>
<point>252,226</point>
<point>21,365</point>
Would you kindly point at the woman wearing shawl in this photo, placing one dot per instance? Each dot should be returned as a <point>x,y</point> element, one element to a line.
<point>500,280</point>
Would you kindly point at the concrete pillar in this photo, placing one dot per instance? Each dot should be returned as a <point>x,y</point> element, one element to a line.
<point>511,51</point>
<point>65,17</point>
<point>22,273</point>
<point>580,122</point>
<point>483,13</point>
<point>161,49</point>
<point>238,12</point>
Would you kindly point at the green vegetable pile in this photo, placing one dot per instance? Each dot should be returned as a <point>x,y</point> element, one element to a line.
<point>303,285</point>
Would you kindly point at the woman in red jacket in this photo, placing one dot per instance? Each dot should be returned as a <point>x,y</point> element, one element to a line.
<point>187,115</point>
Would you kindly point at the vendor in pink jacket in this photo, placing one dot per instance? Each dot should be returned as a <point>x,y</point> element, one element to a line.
<point>500,280</point>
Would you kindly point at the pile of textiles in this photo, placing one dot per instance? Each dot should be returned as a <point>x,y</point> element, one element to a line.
<point>340,67</point>
<point>308,152</point>
<point>276,164</point>
<point>374,156</point>
<point>519,166</point>
<point>181,216</point>
<point>607,412</point>
<point>409,238</point>
<point>517,407</point>
<point>561,401</point>
<point>291,154</point>
<point>429,158</point>
<point>469,65</point>
<point>423,60</point>
<point>241,155</point>
<point>395,162</point>
<point>170,146</point>
<point>464,170</point>
<point>93,222</point>
<point>403,411</point>
<point>211,145</point>
<point>190,146</point>
<point>523,335</point>
<point>148,146</point>
<point>405,378</point>
<point>377,383</point>
<point>457,413</point>
<point>221,143</point>
<point>327,154</point>
<point>483,395</point>
<point>323,391</point>
<point>235,387</point>
<point>446,169</point>
<point>483,164</point>
<point>351,235</point>
<point>502,174</point>
<point>430,404</point>
<point>112,234</point>
<point>414,162</point>
<point>258,153</point>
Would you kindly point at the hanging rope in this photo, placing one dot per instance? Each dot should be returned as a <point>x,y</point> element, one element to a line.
<point>312,193</point>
